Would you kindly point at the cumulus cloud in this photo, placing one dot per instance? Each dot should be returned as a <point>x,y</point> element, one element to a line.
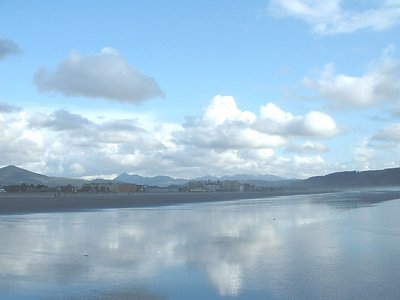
<point>8,108</point>
<point>226,139</point>
<point>224,126</point>
<point>224,109</point>
<point>331,17</point>
<point>390,133</point>
<point>274,120</point>
<point>305,165</point>
<point>104,75</point>
<point>222,140</point>
<point>76,145</point>
<point>380,150</point>
<point>307,147</point>
<point>396,110</point>
<point>18,144</point>
<point>59,120</point>
<point>7,48</point>
<point>379,84</point>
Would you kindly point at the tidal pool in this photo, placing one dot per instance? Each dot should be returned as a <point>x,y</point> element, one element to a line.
<point>325,246</point>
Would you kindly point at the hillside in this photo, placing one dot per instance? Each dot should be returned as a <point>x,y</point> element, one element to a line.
<point>386,177</point>
<point>12,175</point>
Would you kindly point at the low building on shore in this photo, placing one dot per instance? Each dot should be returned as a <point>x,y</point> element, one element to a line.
<point>219,186</point>
<point>112,187</point>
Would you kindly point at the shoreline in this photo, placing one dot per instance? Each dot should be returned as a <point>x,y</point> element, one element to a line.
<point>18,203</point>
<point>28,203</point>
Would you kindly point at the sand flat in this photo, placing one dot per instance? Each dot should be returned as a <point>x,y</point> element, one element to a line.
<point>17,203</point>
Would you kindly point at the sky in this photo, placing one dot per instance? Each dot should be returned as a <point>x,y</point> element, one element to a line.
<point>293,88</point>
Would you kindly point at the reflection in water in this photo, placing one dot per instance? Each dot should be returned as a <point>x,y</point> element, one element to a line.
<point>287,247</point>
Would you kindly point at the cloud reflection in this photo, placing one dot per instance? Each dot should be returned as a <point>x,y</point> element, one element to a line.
<point>235,244</point>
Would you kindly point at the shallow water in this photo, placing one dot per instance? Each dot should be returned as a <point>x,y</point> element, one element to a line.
<point>326,246</point>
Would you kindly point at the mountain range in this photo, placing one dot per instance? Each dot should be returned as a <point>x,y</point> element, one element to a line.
<point>12,175</point>
<point>161,181</point>
<point>168,181</point>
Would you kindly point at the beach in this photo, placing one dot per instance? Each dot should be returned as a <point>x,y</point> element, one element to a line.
<point>194,246</point>
<point>17,203</point>
<point>20,203</point>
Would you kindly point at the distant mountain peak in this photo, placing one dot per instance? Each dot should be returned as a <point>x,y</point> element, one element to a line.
<point>12,167</point>
<point>158,180</point>
<point>163,180</point>
<point>15,175</point>
<point>242,177</point>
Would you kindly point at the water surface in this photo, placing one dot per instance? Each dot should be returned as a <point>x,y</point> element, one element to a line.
<point>327,246</point>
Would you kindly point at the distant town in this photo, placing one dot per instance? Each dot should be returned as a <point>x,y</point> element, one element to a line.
<point>120,187</point>
<point>17,180</point>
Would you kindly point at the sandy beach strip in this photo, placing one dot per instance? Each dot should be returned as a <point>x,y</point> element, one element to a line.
<point>21,203</point>
<point>25,203</point>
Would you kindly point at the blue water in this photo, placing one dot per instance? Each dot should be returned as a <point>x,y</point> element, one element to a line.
<point>328,246</point>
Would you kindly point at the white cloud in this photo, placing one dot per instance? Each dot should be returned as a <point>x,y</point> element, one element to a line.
<point>65,143</point>
<point>224,126</point>
<point>380,150</point>
<point>18,144</point>
<point>227,137</point>
<point>265,154</point>
<point>59,120</point>
<point>390,133</point>
<point>318,124</point>
<point>274,120</point>
<point>77,169</point>
<point>381,83</point>
<point>307,147</point>
<point>363,155</point>
<point>104,75</point>
<point>237,141</point>
<point>77,146</point>
<point>306,165</point>
<point>7,48</point>
<point>224,109</point>
<point>331,17</point>
<point>8,108</point>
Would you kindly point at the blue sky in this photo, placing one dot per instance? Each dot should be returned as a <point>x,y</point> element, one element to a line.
<point>188,88</point>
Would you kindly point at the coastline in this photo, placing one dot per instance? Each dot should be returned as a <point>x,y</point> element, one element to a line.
<point>21,203</point>
<point>27,203</point>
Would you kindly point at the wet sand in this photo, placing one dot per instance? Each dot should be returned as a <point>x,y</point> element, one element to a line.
<point>47,202</point>
<point>294,247</point>
<point>21,203</point>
